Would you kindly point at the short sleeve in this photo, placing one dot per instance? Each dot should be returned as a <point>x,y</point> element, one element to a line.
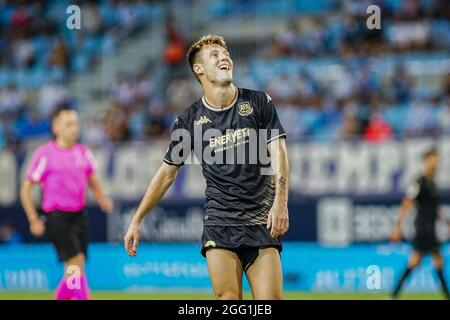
<point>270,120</point>
<point>38,166</point>
<point>412,191</point>
<point>180,145</point>
<point>91,162</point>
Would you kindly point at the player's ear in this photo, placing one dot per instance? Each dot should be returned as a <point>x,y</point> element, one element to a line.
<point>55,126</point>
<point>198,69</point>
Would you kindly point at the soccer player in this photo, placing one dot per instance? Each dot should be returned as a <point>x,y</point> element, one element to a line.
<point>423,194</point>
<point>64,169</point>
<point>245,212</point>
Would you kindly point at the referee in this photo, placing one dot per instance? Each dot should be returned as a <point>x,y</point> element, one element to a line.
<point>423,194</point>
<point>64,169</point>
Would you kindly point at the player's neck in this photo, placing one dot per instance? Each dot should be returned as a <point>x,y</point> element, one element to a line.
<point>428,174</point>
<point>63,144</point>
<point>220,97</point>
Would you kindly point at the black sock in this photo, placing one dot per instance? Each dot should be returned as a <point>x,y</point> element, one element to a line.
<point>443,283</point>
<point>401,281</point>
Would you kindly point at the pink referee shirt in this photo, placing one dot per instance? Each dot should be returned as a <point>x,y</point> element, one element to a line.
<point>63,175</point>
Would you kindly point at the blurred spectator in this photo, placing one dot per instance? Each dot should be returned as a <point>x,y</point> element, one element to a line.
<point>21,21</point>
<point>420,120</point>
<point>291,119</point>
<point>307,88</point>
<point>280,88</point>
<point>378,129</point>
<point>244,78</point>
<point>174,52</point>
<point>52,95</point>
<point>345,86</point>
<point>94,134</point>
<point>351,125</point>
<point>143,88</point>
<point>123,92</point>
<point>155,126</point>
<point>9,234</point>
<point>127,18</point>
<point>401,85</point>
<point>2,137</point>
<point>136,122</point>
<point>182,92</point>
<point>59,56</point>
<point>91,20</point>
<point>116,122</point>
<point>285,42</point>
<point>31,124</point>
<point>444,120</point>
<point>12,100</point>
<point>24,53</point>
<point>173,55</point>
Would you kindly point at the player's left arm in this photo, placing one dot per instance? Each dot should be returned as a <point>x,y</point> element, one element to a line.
<point>278,219</point>
<point>443,217</point>
<point>102,199</point>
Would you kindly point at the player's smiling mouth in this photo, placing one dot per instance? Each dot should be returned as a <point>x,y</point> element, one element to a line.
<point>224,67</point>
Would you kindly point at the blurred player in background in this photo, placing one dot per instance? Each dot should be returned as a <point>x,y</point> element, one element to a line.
<point>64,169</point>
<point>423,194</point>
<point>245,211</point>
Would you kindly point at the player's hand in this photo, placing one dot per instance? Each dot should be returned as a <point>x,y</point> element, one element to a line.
<point>106,204</point>
<point>37,228</point>
<point>131,239</point>
<point>396,235</point>
<point>278,220</point>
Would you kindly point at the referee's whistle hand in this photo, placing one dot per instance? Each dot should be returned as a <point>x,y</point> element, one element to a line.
<point>131,239</point>
<point>396,235</point>
<point>37,228</point>
<point>106,204</point>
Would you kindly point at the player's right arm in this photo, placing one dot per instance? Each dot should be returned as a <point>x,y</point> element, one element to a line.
<point>408,203</point>
<point>405,210</point>
<point>35,173</point>
<point>37,227</point>
<point>162,180</point>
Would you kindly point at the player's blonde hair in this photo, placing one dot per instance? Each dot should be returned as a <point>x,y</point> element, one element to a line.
<point>209,39</point>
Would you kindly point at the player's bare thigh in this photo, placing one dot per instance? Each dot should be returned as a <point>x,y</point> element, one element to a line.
<point>225,270</point>
<point>265,275</point>
<point>438,260</point>
<point>415,259</point>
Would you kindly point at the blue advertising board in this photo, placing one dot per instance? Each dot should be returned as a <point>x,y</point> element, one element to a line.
<point>306,267</point>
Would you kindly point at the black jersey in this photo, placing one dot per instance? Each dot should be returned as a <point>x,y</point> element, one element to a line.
<point>231,146</point>
<point>425,194</point>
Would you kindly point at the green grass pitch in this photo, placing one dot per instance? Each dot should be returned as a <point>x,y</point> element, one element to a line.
<point>111,295</point>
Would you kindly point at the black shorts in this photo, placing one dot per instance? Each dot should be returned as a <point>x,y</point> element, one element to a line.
<point>426,243</point>
<point>245,241</point>
<point>68,232</point>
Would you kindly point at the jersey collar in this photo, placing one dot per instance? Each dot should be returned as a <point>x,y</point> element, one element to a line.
<point>207,105</point>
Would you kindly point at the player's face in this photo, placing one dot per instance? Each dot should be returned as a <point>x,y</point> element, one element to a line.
<point>432,163</point>
<point>66,126</point>
<point>217,65</point>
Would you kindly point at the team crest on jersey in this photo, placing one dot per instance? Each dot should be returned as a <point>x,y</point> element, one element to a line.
<point>210,244</point>
<point>245,108</point>
<point>203,120</point>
